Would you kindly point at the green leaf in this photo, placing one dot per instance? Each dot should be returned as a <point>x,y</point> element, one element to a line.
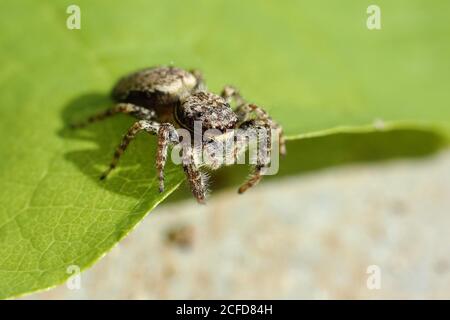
<point>313,64</point>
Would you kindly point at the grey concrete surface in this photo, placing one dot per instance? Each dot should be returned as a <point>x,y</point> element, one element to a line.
<point>304,237</point>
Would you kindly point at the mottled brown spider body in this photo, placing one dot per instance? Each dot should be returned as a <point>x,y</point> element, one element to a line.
<point>166,98</point>
<point>213,111</point>
<point>161,84</point>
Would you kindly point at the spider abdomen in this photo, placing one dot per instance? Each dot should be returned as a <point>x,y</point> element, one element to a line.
<point>154,85</point>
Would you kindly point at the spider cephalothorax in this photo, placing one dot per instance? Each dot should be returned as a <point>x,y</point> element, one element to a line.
<point>165,99</point>
<point>211,110</point>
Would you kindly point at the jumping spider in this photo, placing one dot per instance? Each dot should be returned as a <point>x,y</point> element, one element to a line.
<point>166,98</point>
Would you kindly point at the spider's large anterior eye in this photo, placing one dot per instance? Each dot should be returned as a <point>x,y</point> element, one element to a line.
<point>181,118</point>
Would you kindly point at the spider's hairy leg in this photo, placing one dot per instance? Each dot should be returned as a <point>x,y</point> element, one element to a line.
<point>196,178</point>
<point>263,153</point>
<point>166,135</point>
<point>125,108</point>
<point>254,178</point>
<point>230,93</point>
<point>130,135</point>
<point>197,182</point>
<point>244,113</point>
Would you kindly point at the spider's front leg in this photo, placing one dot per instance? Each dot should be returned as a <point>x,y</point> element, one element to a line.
<point>197,179</point>
<point>260,133</point>
<point>125,108</point>
<point>166,135</point>
<point>230,93</point>
<point>244,113</point>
